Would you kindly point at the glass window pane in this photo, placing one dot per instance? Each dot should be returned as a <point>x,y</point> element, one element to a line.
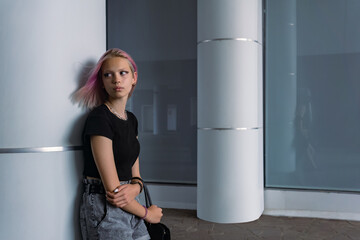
<point>313,94</point>
<point>161,36</point>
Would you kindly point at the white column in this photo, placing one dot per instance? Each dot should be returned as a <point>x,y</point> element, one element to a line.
<point>230,112</point>
<point>45,47</point>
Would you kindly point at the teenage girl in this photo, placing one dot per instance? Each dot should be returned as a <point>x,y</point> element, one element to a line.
<point>112,181</point>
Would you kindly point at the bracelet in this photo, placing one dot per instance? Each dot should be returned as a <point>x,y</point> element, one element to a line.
<point>141,186</point>
<point>142,181</point>
<point>146,212</point>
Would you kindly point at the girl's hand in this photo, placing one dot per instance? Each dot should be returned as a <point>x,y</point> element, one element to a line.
<point>124,195</point>
<point>154,214</point>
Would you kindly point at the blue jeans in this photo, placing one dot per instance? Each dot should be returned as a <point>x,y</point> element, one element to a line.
<point>100,220</point>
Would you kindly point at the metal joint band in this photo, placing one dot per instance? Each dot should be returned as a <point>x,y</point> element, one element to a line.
<point>40,149</point>
<point>226,129</point>
<point>230,39</point>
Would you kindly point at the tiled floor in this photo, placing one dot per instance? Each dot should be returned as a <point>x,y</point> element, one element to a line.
<point>184,225</point>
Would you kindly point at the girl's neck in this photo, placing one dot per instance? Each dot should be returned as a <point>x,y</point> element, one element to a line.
<point>118,105</point>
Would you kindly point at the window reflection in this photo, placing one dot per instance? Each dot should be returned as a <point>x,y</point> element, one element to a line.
<point>165,105</point>
<point>313,115</point>
<point>161,36</point>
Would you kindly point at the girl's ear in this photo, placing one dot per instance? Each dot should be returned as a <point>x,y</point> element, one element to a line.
<point>134,78</point>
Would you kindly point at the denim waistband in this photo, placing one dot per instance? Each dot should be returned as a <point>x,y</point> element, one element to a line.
<point>96,185</point>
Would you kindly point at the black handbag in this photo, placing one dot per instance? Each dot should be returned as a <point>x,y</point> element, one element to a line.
<point>157,231</point>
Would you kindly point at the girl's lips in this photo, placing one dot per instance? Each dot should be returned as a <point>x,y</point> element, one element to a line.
<point>118,88</point>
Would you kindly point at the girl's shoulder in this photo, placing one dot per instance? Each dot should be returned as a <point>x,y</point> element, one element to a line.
<point>131,116</point>
<point>100,110</point>
<point>99,113</point>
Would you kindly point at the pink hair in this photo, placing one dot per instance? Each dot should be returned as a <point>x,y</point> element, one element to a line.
<point>92,93</point>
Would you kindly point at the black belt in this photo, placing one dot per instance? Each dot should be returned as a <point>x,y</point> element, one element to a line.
<point>94,188</point>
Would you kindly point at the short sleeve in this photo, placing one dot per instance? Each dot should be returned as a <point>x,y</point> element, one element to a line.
<point>98,125</point>
<point>136,127</point>
<point>134,122</point>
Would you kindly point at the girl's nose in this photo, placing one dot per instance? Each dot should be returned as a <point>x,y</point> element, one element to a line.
<point>116,79</point>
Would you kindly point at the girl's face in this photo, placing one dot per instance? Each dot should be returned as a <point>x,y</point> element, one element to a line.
<point>117,77</point>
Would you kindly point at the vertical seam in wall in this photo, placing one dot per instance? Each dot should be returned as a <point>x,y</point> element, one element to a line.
<point>106,24</point>
<point>264,86</point>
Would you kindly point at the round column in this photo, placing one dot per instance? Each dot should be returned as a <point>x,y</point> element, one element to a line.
<point>46,48</point>
<point>230,112</point>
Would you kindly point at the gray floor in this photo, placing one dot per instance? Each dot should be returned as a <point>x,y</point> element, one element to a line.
<point>184,225</point>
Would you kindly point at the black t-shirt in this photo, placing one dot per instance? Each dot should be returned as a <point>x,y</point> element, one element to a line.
<point>123,133</point>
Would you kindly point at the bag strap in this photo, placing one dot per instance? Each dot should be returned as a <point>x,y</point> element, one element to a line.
<point>148,201</point>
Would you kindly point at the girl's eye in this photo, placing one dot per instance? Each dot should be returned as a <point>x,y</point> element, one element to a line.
<point>107,75</point>
<point>122,73</point>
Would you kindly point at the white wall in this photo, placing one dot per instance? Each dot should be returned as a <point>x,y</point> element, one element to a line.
<point>317,204</point>
<point>45,48</point>
<point>278,202</point>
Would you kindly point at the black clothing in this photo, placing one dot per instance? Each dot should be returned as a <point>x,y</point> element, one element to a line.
<point>123,133</point>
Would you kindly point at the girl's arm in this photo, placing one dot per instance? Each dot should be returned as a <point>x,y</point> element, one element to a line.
<point>126,192</point>
<point>104,159</point>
